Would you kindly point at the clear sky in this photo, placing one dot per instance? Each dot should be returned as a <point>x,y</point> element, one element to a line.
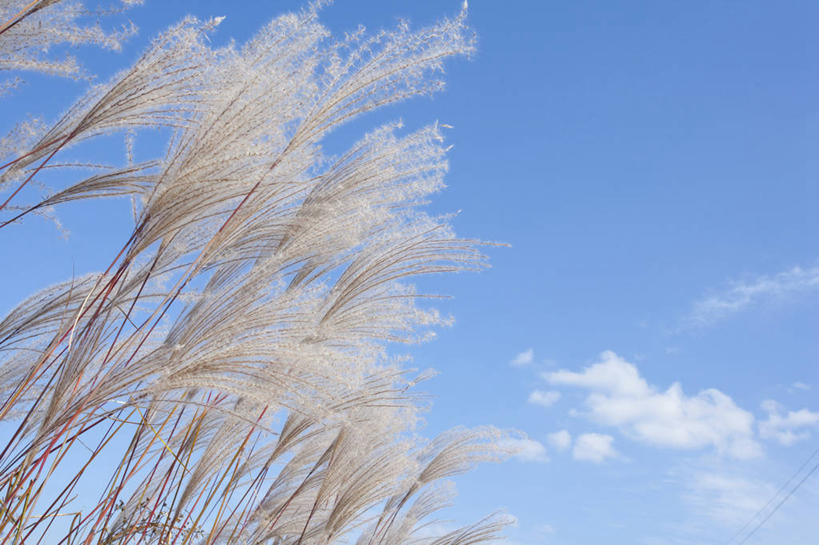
<point>652,326</point>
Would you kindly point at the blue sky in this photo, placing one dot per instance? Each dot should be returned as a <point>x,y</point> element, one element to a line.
<point>652,326</point>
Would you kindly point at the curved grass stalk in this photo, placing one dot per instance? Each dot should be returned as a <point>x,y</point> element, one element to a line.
<point>239,345</point>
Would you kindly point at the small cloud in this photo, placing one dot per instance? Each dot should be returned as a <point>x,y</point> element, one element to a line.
<point>620,397</point>
<point>560,440</point>
<point>525,449</point>
<point>742,295</point>
<point>594,447</point>
<point>800,386</point>
<point>789,428</point>
<point>546,529</point>
<point>524,358</point>
<point>725,498</point>
<point>611,374</point>
<point>544,399</point>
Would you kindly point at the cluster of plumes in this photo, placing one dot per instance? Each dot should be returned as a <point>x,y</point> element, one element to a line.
<point>239,338</point>
<point>30,29</point>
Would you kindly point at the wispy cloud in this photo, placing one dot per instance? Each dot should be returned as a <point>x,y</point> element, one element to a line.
<point>726,498</point>
<point>560,440</point>
<point>594,447</point>
<point>744,294</point>
<point>526,450</point>
<point>544,399</point>
<point>731,499</point>
<point>620,397</point>
<point>524,358</point>
<point>787,428</point>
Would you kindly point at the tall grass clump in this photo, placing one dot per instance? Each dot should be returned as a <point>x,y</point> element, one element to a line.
<point>226,379</point>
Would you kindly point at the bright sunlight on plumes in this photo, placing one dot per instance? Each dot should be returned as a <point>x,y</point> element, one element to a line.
<point>232,359</point>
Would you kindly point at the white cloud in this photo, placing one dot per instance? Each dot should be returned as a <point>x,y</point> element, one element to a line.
<point>800,386</point>
<point>593,447</point>
<point>788,428</point>
<point>524,358</point>
<point>560,440</point>
<point>728,499</point>
<point>744,294</point>
<point>525,449</point>
<point>612,374</point>
<point>544,399</point>
<point>621,398</point>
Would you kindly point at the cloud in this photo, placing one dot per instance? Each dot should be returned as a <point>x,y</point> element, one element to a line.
<point>800,386</point>
<point>621,398</point>
<point>742,295</point>
<point>728,499</point>
<point>525,449</point>
<point>594,447</point>
<point>524,358</point>
<point>737,497</point>
<point>559,440</point>
<point>789,428</point>
<point>612,374</point>
<point>544,399</point>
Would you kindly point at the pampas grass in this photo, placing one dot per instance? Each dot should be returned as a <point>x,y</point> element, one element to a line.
<point>232,359</point>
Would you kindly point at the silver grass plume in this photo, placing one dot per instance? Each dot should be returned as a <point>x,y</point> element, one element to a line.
<point>234,355</point>
<point>30,28</point>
